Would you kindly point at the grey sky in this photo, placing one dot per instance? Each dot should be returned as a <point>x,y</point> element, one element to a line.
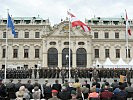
<point>57,9</point>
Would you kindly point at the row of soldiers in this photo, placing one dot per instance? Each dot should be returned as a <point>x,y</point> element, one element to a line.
<point>64,72</point>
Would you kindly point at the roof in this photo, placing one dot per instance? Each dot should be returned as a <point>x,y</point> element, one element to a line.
<point>107,19</point>
<point>25,18</point>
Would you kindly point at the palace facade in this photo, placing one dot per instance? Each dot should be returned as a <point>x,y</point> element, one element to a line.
<point>38,44</point>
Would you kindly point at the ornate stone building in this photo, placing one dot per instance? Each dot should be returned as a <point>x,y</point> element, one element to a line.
<point>38,44</point>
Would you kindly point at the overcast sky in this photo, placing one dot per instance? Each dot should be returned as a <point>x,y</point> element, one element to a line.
<point>57,9</point>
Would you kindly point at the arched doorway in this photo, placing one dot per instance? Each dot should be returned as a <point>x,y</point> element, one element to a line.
<point>52,57</point>
<point>81,57</point>
<point>65,57</point>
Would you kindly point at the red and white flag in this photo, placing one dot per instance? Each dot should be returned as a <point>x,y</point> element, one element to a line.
<point>77,22</point>
<point>127,25</point>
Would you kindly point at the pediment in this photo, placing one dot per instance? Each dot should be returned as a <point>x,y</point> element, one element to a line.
<point>62,30</point>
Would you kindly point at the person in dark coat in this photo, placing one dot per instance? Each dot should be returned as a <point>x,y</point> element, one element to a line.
<point>29,86</point>
<point>3,92</point>
<point>64,94</point>
<point>47,91</point>
<point>56,86</point>
<point>17,85</point>
<point>11,90</point>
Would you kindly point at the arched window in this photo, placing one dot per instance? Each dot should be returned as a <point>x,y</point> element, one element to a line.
<point>81,58</point>
<point>65,57</point>
<point>52,57</point>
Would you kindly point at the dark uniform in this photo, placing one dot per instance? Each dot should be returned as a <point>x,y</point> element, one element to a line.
<point>35,73</point>
<point>11,90</point>
<point>63,75</point>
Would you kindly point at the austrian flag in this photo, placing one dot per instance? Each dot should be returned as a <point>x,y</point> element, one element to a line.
<point>127,25</point>
<point>77,22</point>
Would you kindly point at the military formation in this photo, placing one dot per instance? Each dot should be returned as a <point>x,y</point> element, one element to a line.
<point>64,73</point>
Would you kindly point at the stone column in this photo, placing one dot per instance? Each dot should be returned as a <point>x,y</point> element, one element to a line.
<point>74,58</point>
<point>44,56</point>
<point>59,54</point>
<point>89,51</point>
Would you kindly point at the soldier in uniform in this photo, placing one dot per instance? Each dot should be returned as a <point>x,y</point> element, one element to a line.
<point>76,74</point>
<point>95,74</point>
<point>90,73</point>
<point>35,73</point>
<point>63,75</point>
<point>128,74</point>
<point>30,73</point>
<point>58,72</point>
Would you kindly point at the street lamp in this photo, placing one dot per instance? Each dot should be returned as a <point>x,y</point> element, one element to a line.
<point>67,59</point>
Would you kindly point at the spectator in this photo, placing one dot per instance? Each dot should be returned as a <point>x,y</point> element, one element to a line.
<point>20,93</point>
<point>11,90</point>
<point>85,91</point>
<point>3,92</point>
<point>129,90</point>
<point>18,85</point>
<point>115,84</point>
<point>77,84</point>
<point>36,93</point>
<point>93,94</point>
<point>64,94</point>
<point>54,95</point>
<point>70,87</point>
<point>121,94</point>
<point>47,91</point>
<point>73,95</point>
<point>86,84</point>
<point>29,86</point>
<point>106,94</point>
<point>56,86</point>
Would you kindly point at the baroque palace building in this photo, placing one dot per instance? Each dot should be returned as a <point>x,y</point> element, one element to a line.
<point>38,44</point>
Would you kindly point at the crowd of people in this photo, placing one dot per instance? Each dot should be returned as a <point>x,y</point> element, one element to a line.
<point>66,91</point>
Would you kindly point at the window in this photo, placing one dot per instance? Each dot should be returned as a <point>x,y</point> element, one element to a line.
<point>3,53</point>
<point>96,35</point>
<point>81,57</point>
<point>16,36</point>
<point>26,53</point>
<point>65,57</point>
<point>37,35</point>
<point>106,53</point>
<point>116,35</point>
<point>81,43</point>
<point>128,53</point>
<point>52,43</point>
<point>4,34</point>
<point>52,57</point>
<point>36,53</point>
<point>117,53</point>
<point>15,53</point>
<point>96,53</point>
<point>26,35</point>
<point>66,43</point>
<point>106,34</point>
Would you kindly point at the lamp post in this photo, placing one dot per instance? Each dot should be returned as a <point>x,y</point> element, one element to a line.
<point>67,59</point>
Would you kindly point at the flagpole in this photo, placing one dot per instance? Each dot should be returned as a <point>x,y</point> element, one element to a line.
<point>126,36</point>
<point>69,50</point>
<point>6,47</point>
